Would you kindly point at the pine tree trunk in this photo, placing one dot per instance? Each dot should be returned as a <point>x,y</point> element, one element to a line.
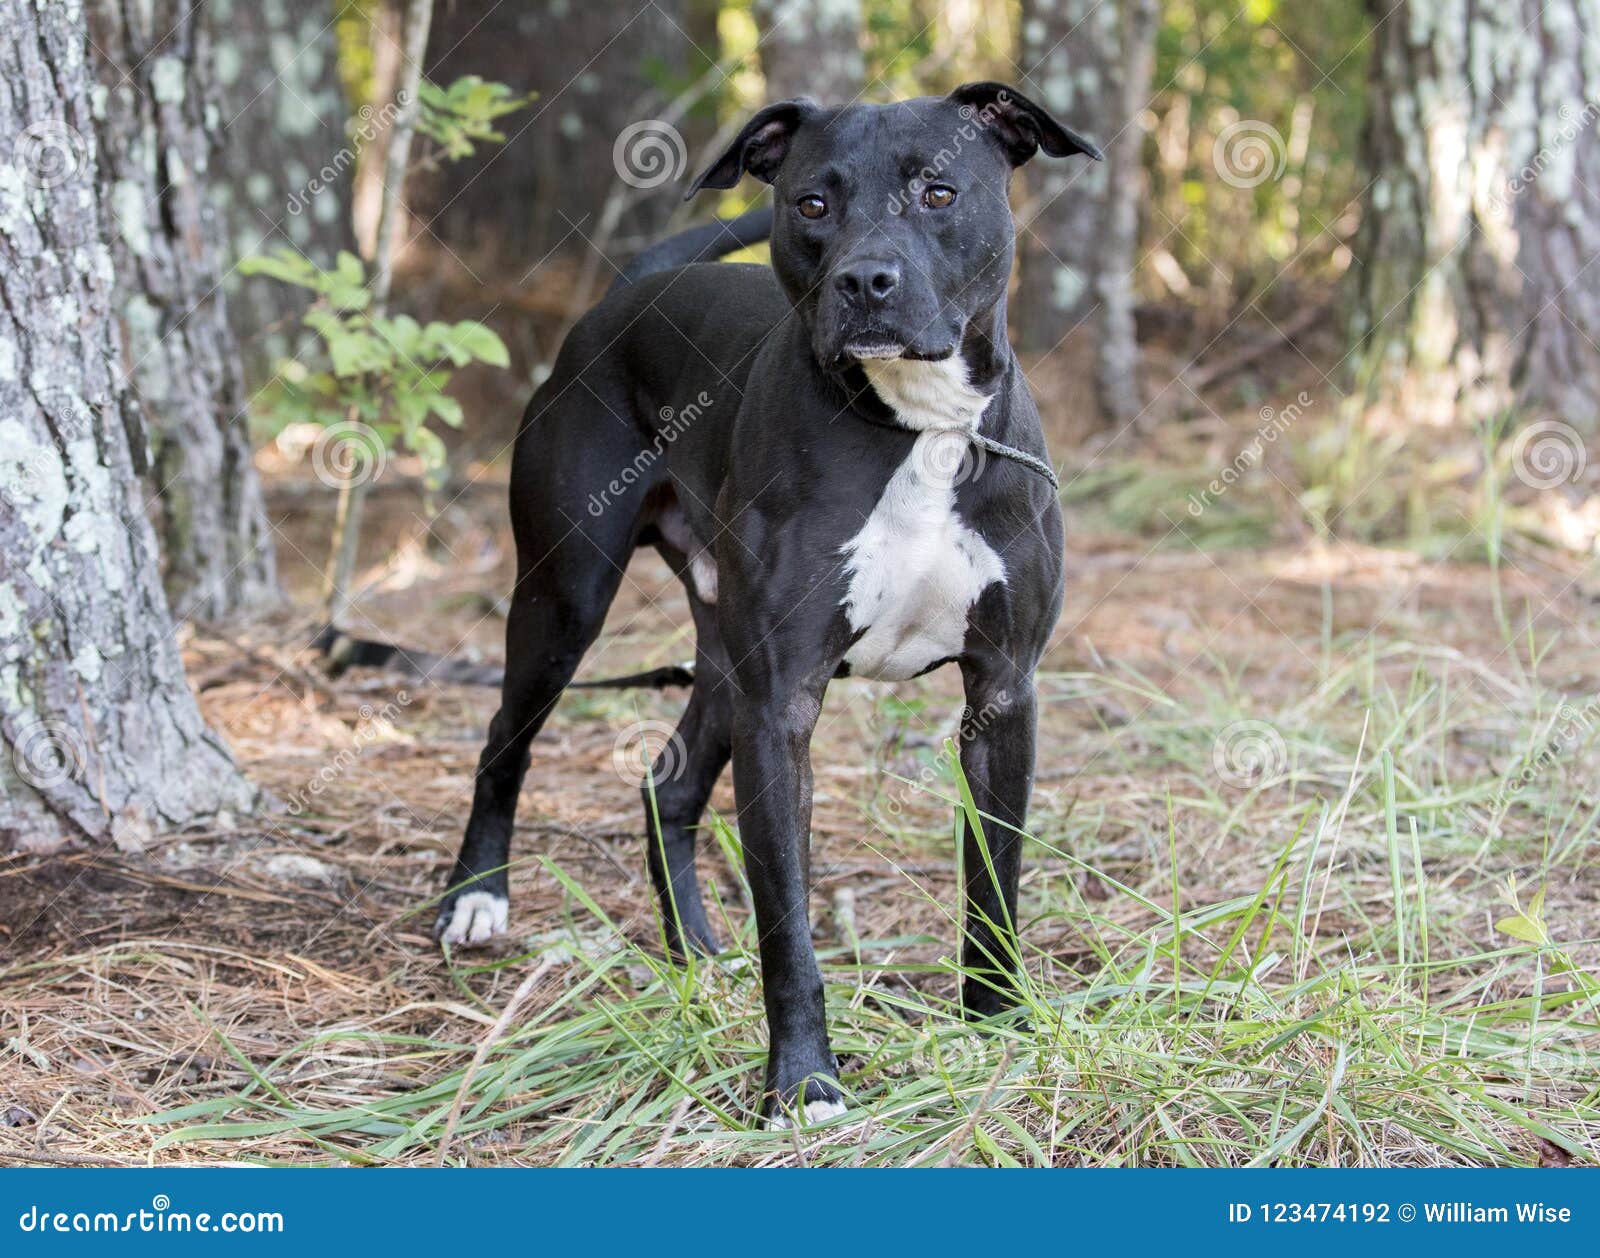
<point>1069,51</point>
<point>1117,353</point>
<point>284,165</point>
<point>102,737</point>
<point>811,48</point>
<point>1090,62</point>
<point>156,150</point>
<point>1473,291</point>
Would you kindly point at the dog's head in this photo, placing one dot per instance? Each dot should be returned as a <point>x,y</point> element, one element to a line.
<point>891,228</point>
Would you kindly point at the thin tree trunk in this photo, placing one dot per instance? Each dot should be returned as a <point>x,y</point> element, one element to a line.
<point>102,737</point>
<point>1069,54</point>
<point>1476,291</point>
<point>1117,354</point>
<point>811,48</point>
<point>1091,63</point>
<point>285,164</point>
<point>396,161</point>
<point>156,149</point>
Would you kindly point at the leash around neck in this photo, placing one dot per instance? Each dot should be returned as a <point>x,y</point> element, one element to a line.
<point>998,448</point>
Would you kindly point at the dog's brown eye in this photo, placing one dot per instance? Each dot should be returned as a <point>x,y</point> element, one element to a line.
<point>938,196</point>
<point>812,207</point>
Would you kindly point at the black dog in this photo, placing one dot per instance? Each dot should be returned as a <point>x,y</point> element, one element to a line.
<point>810,448</point>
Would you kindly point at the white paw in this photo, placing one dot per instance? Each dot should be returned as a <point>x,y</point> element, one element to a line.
<point>476,918</point>
<point>812,1113</point>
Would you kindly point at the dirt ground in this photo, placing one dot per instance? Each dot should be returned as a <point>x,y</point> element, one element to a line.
<point>138,982</point>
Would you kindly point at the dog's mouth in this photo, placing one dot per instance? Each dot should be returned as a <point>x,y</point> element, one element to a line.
<point>883,349</point>
<point>872,349</point>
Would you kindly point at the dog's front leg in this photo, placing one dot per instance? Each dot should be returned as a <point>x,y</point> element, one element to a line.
<point>772,786</point>
<point>997,750</point>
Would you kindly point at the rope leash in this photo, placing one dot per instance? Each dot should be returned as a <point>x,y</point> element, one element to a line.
<point>1030,461</point>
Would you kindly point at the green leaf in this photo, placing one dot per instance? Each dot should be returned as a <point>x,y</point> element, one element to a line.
<point>426,443</point>
<point>1521,928</point>
<point>411,409</point>
<point>447,409</point>
<point>404,333</point>
<point>285,265</point>
<point>354,353</point>
<point>348,269</point>
<point>481,343</point>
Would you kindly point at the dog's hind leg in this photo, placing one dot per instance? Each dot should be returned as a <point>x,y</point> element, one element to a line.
<point>569,569</point>
<point>682,779</point>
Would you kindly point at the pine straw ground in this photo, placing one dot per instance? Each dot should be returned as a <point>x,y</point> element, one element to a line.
<point>1261,943</point>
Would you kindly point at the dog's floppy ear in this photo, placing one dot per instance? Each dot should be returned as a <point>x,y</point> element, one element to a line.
<point>758,148</point>
<point>1021,127</point>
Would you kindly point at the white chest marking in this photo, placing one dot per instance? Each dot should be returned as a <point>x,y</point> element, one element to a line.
<point>927,395</point>
<point>915,569</point>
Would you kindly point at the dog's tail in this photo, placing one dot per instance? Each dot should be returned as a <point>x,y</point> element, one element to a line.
<point>705,243</point>
<point>343,651</point>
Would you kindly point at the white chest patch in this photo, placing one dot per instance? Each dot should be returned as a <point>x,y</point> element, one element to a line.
<point>915,569</point>
<point>927,395</point>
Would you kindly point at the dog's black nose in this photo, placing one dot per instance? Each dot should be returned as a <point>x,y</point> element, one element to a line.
<point>868,282</point>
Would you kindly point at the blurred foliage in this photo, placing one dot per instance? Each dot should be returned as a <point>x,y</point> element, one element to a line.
<point>389,372</point>
<point>1300,71</point>
<point>354,26</point>
<point>455,117</point>
<point>1270,223</point>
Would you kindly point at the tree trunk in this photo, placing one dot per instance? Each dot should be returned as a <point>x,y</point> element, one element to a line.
<point>1473,292</point>
<point>285,163</point>
<point>156,149</point>
<point>102,737</point>
<point>811,48</point>
<point>1116,367</point>
<point>1089,62</point>
<point>1069,50</point>
<point>599,70</point>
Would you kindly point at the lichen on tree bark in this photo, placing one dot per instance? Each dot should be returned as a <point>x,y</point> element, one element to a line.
<point>1090,63</point>
<point>811,48</point>
<point>155,119</point>
<point>284,166</point>
<point>1477,230</point>
<point>102,737</point>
